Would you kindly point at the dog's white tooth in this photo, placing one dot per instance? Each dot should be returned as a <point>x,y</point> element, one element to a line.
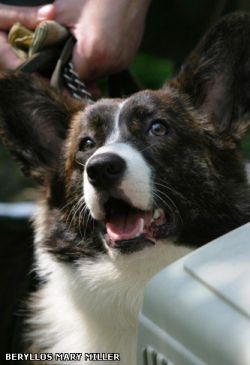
<point>156,214</point>
<point>141,230</point>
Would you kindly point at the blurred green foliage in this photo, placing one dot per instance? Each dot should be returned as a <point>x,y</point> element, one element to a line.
<point>152,71</point>
<point>246,147</point>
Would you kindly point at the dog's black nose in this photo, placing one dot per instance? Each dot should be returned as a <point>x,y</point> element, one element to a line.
<point>105,169</point>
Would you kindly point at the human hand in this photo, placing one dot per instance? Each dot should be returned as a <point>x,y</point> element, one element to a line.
<point>108,33</point>
<point>29,17</point>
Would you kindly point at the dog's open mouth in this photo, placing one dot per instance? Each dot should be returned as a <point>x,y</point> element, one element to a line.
<point>127,226</point>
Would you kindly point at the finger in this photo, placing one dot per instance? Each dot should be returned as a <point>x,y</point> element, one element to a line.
<point>81,64</point>
<point>28,16</point>
<point>90,62</point>
<point>8,59</point>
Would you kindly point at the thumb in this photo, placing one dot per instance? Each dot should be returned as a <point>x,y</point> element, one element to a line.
<point>27,16</point>
<point>85,66</point>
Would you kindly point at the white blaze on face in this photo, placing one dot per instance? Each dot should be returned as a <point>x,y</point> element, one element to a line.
<point>135,185</point>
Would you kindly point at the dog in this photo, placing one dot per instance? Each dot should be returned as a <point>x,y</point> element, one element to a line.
<point>127,185</point>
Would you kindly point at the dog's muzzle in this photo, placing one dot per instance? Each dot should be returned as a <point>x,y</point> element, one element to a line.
<point>118,194</point>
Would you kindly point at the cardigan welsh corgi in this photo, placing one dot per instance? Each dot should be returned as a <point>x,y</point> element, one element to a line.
<point>128,185</point>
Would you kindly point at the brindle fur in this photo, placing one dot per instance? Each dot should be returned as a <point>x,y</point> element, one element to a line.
<point>206,108</point>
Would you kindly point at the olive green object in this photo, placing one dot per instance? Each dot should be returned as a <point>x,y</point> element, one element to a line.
<point>26,42</point>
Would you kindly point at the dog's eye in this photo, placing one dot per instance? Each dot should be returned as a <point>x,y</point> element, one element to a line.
<point>86,144</point>
<point>158,128</point>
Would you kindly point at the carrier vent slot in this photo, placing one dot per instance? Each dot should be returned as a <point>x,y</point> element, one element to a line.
<point>153,357</point>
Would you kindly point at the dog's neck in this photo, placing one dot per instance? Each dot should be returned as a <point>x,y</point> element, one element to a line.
<point>100,296</point>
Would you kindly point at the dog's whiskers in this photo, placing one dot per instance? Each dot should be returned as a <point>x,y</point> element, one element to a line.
<point>81,218</point>
<point>84,213</point>
<point>87,222</point>
<point>80,163</point>
<point>71,202</point>
<point>156,195</point>
<point>75,209</point>
<point>167,186</point>
<point>165,194</point>
<point>169,203</point>
<point>148,147</point>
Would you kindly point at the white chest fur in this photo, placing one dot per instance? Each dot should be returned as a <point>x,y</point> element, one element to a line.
<point>93,307</point>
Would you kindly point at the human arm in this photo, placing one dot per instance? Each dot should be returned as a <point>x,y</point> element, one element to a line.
<point>108,33</point>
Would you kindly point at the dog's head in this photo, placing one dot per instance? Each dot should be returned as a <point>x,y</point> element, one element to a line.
<point>123,174</point>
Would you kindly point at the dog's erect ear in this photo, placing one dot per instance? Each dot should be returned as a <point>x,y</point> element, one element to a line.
<point>33,122</point>
<point>216,76</point>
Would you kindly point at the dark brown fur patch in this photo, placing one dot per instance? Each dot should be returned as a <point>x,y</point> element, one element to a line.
<point>196,167</point>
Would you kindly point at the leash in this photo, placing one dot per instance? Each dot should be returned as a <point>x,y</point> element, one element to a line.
<point>48,51</point>
<point>73,83</point>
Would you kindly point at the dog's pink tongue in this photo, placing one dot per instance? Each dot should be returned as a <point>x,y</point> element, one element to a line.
<point>125,227</point>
